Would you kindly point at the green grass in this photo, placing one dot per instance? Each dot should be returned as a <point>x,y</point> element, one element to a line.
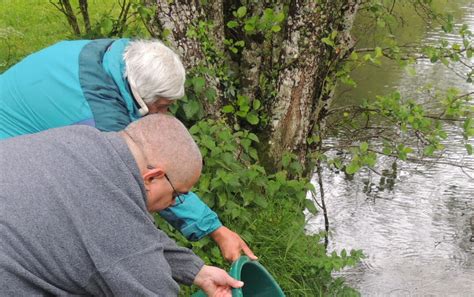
<point>27,26</point>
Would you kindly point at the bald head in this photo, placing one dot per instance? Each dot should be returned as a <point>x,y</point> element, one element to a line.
<point>164,141</point>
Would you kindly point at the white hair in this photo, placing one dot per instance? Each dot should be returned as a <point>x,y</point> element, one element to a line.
<point>154,70</point>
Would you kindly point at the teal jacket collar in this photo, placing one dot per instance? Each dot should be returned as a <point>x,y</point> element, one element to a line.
<point>114,65</point>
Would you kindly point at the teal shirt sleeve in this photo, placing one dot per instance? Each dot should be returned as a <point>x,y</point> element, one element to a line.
<point>193,218</point>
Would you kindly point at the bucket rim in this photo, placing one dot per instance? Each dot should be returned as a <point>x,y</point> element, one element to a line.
<point>236,269</point>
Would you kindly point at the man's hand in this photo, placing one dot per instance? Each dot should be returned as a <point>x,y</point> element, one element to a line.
<point>231,244</point>
<point>215,282</point>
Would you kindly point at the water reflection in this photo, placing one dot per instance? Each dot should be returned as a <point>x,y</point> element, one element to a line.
<point>415,229</point>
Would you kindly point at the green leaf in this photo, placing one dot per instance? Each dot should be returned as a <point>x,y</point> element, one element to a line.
<point>256,104</point>
<point>106,26</point>
<point>344,253</point>
<point>381,23</point>
<point>253,137</point>
<point>328,41</point>
<point>232,24</point>
<point>191,108</point>
<point>469,149</point>
<point>279,17</point>
<point>276,28</point>
<point>429,150</point>
<point>252,118</point>
<point>354,56</point>
<point>285,160</point>
<point>378,52</point>
<point>249,27</point>
<point>241,12</point>
<point>241,113</point>
<point>309,205</point>
<point>194,129</point>
<point>352,168</point>
<point>198,84</point>
<point>228,109</point>
<point>253,153</point>
<point>248,196</point>
<point>211,94</point>
<point>240,43</point>
<point>260,201</point>
<point>364,146</point>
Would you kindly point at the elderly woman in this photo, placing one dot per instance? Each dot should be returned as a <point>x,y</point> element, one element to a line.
<point>106,84</point>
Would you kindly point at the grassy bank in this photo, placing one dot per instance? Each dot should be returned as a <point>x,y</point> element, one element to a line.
<point>28,26</point>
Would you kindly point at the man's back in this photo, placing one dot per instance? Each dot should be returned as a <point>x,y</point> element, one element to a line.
<point>73,219</point>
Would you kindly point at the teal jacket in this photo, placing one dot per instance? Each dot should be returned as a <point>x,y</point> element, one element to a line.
<point>82,83</point>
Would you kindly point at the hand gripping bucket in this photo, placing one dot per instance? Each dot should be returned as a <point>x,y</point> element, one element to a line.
<point>258,282</point>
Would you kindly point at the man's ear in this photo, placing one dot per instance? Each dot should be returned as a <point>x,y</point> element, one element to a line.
<point>151,174</point>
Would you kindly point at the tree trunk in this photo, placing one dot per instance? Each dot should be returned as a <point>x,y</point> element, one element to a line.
<point>177,17</point>
<point>83,5</point>
<point>65,7</point>
<point>297,65</point>
<point>307,64</point>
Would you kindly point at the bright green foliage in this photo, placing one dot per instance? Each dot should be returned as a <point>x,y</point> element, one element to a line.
<point>265,209</point>
<point>268,22</point>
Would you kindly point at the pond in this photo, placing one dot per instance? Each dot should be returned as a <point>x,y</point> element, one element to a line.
<point>415,229</point>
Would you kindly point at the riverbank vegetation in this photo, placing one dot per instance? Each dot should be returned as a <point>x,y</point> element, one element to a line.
<point>261,79</point>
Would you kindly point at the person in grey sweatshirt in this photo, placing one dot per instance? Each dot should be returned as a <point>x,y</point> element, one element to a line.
<point>75,208</point>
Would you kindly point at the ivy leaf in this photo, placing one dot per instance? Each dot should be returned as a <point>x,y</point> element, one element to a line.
<point>241,12</point>
<point>252,118</point>
<point>256,104</point>
<point>232,24</point>
<point>249,27</point>
<point>228,109</point>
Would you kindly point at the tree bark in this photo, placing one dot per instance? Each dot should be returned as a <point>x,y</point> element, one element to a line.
<point>65,7</point>
<point>300,92</point>
<point>83,6</point>
<point>307,63</point>
<point>177,17</point>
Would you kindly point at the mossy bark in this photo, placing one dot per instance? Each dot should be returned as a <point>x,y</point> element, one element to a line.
<point>294,64</point>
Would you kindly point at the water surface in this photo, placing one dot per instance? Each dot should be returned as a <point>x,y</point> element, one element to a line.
<point>415,228</point>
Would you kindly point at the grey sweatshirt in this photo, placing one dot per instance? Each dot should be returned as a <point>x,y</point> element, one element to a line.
<point>73,220</point>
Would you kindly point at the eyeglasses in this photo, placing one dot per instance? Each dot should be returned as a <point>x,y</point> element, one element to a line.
<point>176,195</point>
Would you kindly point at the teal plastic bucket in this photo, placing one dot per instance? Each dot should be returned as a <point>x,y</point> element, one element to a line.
<point>258,282</point>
